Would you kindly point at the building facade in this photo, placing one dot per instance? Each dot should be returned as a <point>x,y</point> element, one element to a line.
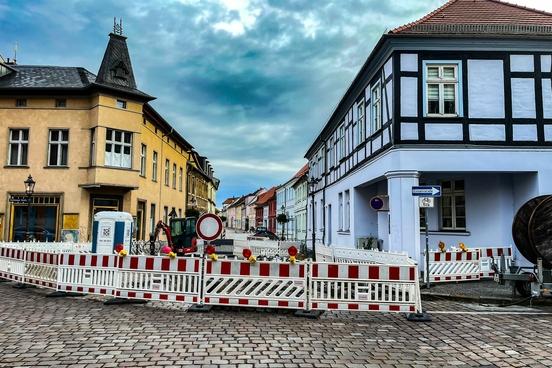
<point>300,207</point>
<point>461,98</point>
<point>92,143</point>
<point>202,184</point>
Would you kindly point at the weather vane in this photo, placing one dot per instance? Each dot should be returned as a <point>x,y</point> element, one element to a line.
<point>118,28</point>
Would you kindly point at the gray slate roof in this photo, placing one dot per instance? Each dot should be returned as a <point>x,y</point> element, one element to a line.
<point>33,76</point>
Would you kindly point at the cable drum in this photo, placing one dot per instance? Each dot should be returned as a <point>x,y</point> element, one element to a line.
<point>532,230</point>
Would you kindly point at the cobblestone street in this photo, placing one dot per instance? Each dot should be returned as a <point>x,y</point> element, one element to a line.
<point>39,331</point>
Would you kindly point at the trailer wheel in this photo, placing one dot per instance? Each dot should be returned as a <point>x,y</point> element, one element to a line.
<point>523,288</point>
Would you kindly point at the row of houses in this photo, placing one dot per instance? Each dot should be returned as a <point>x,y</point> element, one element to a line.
<point>260,209</point>
<point>92,142</point>
<point>461,98</point>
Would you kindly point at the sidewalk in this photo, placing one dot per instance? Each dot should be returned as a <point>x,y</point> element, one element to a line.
<point>482,291</point>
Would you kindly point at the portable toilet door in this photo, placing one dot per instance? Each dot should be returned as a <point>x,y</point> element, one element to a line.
<point>111,229</point>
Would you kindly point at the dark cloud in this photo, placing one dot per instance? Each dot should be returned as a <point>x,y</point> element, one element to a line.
<point>249,86</point>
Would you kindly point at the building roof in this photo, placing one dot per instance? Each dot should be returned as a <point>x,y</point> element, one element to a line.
<point>115,75</point>
<point>303,171</point>
<point>266,196</point>
<point>229,200</point>
<point>480,17</point>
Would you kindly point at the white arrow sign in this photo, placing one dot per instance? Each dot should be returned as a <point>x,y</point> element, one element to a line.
<point>427,191</point>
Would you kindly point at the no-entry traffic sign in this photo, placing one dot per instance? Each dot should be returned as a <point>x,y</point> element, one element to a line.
<point>209,226</point>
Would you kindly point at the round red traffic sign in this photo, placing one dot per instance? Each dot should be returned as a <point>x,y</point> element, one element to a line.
<point>209,226</point>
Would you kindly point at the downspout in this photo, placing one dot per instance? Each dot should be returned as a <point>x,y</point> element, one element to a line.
<point>324,195</point>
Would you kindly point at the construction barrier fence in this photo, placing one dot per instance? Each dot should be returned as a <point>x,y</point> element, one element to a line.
<point>197,280</point>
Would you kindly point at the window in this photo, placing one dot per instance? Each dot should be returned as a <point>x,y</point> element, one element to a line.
<point>453,205</point>
<point>92,146</point>
<point>340,214</point>
<point>360,122</point>
<point>375,117</point>
<point>118,148</point>
<point>167,164</point>
<point>121,104</point>
<point>61,102</point>
<point>441,84</point>
<point>174,176</point>
<point>18,147</point>
<point>152,218</point>
<point>180,175</point>
<point>21,102</point>
<point>143,153</point>
<point>347,211</point>
<point>331,155</point>
<point>154,166</point>
<point>341,142</point>
<point>165,214</point>
<point>58,143</point>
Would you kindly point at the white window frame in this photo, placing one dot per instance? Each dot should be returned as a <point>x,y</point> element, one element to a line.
<point>167,173</point>
<point>154,166</point>
<point>121,104</point>
<point>21,143</point>
<point>61,144</point>
<point>122,159</point>
<point>180,176</point>
<point>347,210</point>
<point>441,81</point>
<point>143,155</point>
<point>341,141</point>
<point>174,176</point>
<point>453,193</point>
<point>360,122</point>
<point>375,108</point>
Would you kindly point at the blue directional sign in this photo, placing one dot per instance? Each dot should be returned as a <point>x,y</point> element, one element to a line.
<point>427,191</point>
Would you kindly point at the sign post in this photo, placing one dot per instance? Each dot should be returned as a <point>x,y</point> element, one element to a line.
<point>426,199</point>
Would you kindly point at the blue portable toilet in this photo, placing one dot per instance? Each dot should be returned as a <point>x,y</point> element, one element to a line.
<point>109,230</point>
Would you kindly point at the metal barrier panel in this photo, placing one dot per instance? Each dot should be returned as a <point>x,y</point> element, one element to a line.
<point>454,266</point>
<point>489,255</point>
<point>364,287</point>
<point>351,255</point>
<point>88,273</point>
<point>41,268</point>
<point>160,278</point>
<point>324,253</point>
<point>50,247</point>
<point>260,284</point>
<point>12,264</point>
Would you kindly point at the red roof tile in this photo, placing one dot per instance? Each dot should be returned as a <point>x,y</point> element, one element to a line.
<point>302,171</point>
<point>266,196</point>
<point>464,16</point>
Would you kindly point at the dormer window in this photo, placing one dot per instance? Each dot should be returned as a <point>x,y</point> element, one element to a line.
<point>119,72</point>
<point>121,104</point>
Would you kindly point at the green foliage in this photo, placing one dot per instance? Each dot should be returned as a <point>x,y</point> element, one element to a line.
<point>282,218</point>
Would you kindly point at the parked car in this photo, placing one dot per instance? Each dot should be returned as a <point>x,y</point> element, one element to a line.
<point>263,233</point>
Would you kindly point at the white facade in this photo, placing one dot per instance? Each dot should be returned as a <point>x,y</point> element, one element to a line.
<point>285,203</point>
<point>300,209</point>
<point>473,122</point>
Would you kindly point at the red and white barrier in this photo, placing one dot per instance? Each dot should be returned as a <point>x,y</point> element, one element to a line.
<point>12,264</point>
<point>488,256</point>
<point>159,278</point>
<point>41,269</point>
<point>454,266</point>
<point>88,273</point>
<point>365,287</point>
<point>260,284</point>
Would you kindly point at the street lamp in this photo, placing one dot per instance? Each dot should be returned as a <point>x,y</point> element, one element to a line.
<point>29,190</point>
<point>312,187</point>
<point>283,209</point>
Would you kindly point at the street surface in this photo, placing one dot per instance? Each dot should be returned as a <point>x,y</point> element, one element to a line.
<point>83,332</point>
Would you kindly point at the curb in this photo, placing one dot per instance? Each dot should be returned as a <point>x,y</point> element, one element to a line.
<point>485,299</point>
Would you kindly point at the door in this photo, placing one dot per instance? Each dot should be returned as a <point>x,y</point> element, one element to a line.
<point>140,220</point>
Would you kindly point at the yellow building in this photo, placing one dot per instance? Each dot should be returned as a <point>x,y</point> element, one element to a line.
<point>202,185</point>
<point>92,143</point>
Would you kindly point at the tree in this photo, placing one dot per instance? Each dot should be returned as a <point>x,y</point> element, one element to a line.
<point>282,219</point>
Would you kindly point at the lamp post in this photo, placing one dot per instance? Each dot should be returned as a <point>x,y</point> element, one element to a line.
<point>312,187</point>
<point>29,190</point>
<point>283,209</point>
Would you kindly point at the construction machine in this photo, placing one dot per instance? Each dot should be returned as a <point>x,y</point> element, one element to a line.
<point>180,233</point>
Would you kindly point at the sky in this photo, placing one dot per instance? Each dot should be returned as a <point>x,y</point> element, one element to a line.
<point>249,83</point>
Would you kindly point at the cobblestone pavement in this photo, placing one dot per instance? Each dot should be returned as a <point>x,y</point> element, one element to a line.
<point>39,331</point>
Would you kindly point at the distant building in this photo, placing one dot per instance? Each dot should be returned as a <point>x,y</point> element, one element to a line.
<point>300,207</point>
<point>266,210</point>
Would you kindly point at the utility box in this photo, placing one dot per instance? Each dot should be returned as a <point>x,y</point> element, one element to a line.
<point>111,229</point>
